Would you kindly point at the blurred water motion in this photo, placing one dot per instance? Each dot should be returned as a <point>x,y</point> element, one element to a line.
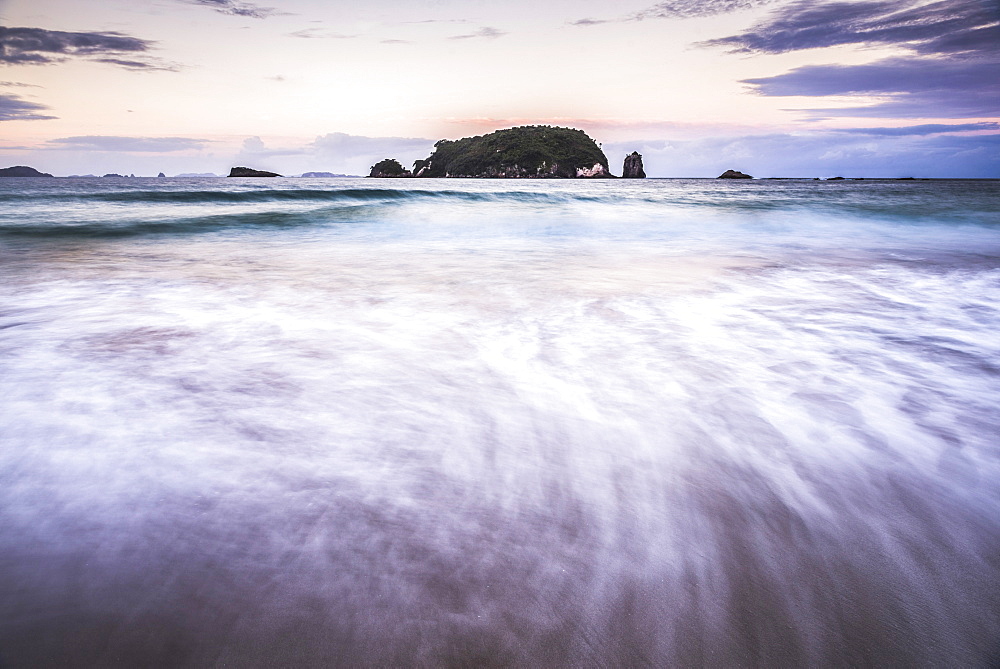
<point>674,424</point>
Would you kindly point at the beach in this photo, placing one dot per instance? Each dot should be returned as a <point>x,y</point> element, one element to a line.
<point>446,422</point>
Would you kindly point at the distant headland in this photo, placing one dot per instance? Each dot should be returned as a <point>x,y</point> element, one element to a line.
<point>22,171</point>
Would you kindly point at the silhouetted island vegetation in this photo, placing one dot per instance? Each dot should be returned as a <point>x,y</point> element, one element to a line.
<point>389,168</point>
<point>525,152</point>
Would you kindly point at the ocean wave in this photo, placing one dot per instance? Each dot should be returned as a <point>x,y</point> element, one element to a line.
<point>176,226</point>
<point>295,195</point>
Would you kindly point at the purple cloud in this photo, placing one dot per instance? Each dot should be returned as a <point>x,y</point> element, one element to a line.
<point>20,46</point>
<point>924,129</point>
<point>487,32</point>
<point>680,9</point>
<point>234,8</point>
<point>673,9</point>
<point>947,26</point>
<point>13,108</point>
<point>128,144</point>
<point>915,87</point>
<point>952,72</point>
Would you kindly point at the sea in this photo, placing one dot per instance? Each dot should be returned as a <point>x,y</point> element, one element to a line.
<point>455,423</point>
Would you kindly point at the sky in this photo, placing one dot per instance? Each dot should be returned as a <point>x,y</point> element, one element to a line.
<point>794,88</point>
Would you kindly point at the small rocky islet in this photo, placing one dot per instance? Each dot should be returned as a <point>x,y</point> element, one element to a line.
<point>632,169</point>
<point>248,172</point>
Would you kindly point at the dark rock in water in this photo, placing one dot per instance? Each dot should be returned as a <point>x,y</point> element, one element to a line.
<point>389,169</point>
<point>247,172</point>
<point>733,174</point>
<point>526,152</point>
<point>161,175</point>
<point>113,175</point>
<point>22,171</point>
<point>835,179</point>
<point>633,167</point>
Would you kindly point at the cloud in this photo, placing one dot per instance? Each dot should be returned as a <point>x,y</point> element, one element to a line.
<point>590,22</point>
<point>37,46</point>
<point>317,33</point>
<point>905,87</point>
<point>396,41</point>
<point>128,144</point>
<point>13,108</point>
<point>253,145</point>
<point>355,154</point>
<point>342,144</point>
<point>680,9</point>
<point>944,27</point>
<point>253,148</point>
<point>924,129</point>
<point>233,8</point>
<point>487,32</point>
<point>437,21</point>
<point>150,65</point>
<point>951,72</point>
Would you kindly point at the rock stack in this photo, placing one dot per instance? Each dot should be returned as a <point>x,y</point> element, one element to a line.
<point>633,167</point>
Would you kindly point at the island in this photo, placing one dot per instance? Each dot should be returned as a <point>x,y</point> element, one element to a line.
<point>389,169</point>
<point>733,174</point>
<point>22,171</point>
<point>632,168</point>
<point>525,152</point>
<point>247,172</point>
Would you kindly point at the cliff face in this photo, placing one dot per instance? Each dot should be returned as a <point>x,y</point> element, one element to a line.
<point>527,152</point>
<point>633,167</point>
